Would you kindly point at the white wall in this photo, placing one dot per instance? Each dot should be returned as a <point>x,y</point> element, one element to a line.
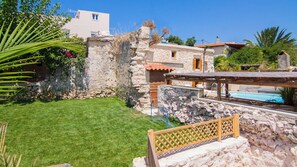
<point>219,50</point>
<point>83,24</point>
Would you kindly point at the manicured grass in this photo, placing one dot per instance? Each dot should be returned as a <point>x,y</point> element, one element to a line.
<point>84,133</point>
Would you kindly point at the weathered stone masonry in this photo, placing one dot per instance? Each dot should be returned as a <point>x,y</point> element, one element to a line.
<point>124,68</point>
<point>120,69</point>
<point>272,134</point>
<point>117,64</point>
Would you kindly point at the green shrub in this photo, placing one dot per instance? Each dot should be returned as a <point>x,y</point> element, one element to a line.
<point>247,55</point>
<point>221,63</point>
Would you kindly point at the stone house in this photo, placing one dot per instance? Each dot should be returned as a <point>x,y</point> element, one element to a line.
<point>140,67</point>
<point>222,48</point>
<point>175,58</point>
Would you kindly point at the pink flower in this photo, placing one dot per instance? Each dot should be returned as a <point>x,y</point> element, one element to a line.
<point>69,54</point>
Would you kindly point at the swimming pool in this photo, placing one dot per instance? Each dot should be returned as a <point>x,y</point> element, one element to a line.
<point>268,97</point>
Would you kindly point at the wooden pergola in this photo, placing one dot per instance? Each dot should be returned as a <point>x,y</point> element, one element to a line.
<point>277,79</point>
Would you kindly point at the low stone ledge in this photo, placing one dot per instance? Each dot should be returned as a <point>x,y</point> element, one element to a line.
<point>230,151</point>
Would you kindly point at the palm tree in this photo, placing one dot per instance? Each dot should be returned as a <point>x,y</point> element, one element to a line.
<point>16,46</point>
<point>272,36</point>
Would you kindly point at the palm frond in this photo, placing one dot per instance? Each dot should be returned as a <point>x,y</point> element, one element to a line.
<point>17,46</point>
<point>272,36</point>
<point>7,160</point>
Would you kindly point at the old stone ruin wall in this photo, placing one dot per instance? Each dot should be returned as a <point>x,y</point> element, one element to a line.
<point>272,134</point>
<point>114,65</point>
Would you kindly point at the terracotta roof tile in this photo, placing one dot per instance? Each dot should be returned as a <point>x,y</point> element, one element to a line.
<point>157,66</point>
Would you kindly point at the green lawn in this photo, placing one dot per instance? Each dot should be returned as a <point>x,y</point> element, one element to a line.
<point>84,133</point>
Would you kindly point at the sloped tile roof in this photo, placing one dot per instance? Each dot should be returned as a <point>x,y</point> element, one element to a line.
<point>232,44</point>
<point>157,66</point>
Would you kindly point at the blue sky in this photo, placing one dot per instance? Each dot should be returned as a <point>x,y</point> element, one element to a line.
<point>231,20</point>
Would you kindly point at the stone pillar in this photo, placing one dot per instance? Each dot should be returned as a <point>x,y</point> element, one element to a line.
<point>283,61</point>
<point>138,77</point>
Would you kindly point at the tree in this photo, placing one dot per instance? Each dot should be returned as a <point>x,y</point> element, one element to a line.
<point>191,41</point>
<point>43,15</point>
<point>270,42</point>
<point>272,36</point>
<point>247,55</point>
<point>8,10</point>
<point>175,39</point>
<point>16,11</point>
<point>16,50</point>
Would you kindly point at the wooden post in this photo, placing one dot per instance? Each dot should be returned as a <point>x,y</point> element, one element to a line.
<point>220,129</point>
<point>227,90</point>
<point>236,129</point>
<point>151,133</point>
<point>219,96</point>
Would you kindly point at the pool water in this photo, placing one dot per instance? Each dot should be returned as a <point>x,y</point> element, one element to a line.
<point>267,97</point>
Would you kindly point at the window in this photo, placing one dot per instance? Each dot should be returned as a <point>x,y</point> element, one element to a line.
<point>197,64</point>
<point>173,55</point>
<point>95,17</point>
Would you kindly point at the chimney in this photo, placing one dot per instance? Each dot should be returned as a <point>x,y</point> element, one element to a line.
<point>218,39</point>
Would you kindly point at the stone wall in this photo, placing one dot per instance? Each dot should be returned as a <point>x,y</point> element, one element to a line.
<point>100,66</point>
<point>272,134</point>
<point>115,65</point>
<point>228,152</point>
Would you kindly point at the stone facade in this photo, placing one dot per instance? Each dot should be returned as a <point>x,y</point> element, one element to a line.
<point>272,134</point>
<point>117,64</point>
<point>125,69</point>
<point>183,61</point>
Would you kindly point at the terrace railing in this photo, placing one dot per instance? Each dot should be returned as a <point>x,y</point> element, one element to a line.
<point>169,140</point>
<point>152,158</point>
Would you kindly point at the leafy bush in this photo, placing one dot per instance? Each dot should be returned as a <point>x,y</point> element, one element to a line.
<point>17,44</point>
<point>221,63</point>
<point>175,39</point>
<point>247,55</point>
<point>190,41</point>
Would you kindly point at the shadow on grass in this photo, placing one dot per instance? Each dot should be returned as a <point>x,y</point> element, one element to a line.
<point>28,101</point>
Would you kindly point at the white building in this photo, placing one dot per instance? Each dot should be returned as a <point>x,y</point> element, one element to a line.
<point>87,24</point>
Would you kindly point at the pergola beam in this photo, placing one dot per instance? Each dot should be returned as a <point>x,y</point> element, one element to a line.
<point>283,82</point>
<point>276,79</point>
